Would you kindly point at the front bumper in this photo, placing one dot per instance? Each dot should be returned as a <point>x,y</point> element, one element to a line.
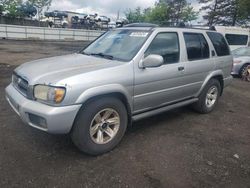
<point>56,120</point>
<point>236,69</point>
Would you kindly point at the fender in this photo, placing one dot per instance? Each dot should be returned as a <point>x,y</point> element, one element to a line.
<point>209,76</point>
<point>105,89</point>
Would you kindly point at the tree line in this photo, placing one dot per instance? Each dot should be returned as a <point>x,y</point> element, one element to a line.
<point>21,8</point>
<point>229,12</point>
<point>163,12</point>
<point>214,12</point>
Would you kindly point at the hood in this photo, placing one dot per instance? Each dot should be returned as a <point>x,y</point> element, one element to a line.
<point>242,58</point>
<point>234,47</point>
<point>52,70</point>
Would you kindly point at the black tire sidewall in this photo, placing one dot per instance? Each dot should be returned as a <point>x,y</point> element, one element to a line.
<point>244,67</point>
<point>80,133</point>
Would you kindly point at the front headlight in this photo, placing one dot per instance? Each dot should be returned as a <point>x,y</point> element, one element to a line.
<point>49,94</point>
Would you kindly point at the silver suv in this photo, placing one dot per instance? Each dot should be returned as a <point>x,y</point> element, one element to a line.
<point>125,75</point>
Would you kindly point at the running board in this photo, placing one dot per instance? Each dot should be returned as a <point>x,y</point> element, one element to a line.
<point>163,109</point>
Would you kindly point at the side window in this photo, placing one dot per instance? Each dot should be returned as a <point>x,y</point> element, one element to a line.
<point>166,45</point>
<point>197,46</point>
<point>219,43</point>
<point>233,39</point>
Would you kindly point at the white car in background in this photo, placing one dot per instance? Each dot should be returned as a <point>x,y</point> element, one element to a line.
<point>121,22</point>
<point>237,37</point>
<point>103,19</point>
<point>112,25</point>
<point>91,17</point>
<point>241,60</point>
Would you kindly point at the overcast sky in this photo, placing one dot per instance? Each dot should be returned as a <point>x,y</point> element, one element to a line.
<point>104,7</point>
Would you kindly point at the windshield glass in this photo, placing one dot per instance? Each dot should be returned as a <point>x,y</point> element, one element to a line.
<point>120,45</point>
<point>241,52</point>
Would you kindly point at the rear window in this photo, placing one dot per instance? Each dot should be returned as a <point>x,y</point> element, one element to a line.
<point>197,47</point>
<point>233,39</point>
<point>219,43</point>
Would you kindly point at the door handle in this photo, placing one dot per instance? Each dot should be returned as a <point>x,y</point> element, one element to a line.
<point>180,68</point>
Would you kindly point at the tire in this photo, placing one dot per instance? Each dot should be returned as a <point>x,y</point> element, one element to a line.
<point>205,105</point>
<point>88,117</point>
<point>242,70</point>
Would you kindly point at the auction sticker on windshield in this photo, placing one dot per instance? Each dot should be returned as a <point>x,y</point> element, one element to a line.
<point>138,34</point>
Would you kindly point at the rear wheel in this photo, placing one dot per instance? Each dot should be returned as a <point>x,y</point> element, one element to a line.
<point>100,126</point>
<point>209,97</point>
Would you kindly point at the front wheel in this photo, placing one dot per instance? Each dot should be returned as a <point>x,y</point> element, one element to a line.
<point>209,97</point>
<point>100,125</point>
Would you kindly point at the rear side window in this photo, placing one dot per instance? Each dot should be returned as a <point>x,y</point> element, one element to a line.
<point>166,45</point>
<point>219,43</point>
<point>197,46</point>
<point>233,39</point>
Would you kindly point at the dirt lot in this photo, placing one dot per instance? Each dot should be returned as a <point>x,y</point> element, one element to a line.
<point>177,149</point>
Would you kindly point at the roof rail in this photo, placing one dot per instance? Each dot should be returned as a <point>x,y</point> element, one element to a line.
<point>204,27</point>
<point>172,24</point>
<point>141,25</point>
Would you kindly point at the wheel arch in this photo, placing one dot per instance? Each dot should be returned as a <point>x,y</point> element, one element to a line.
<point>218,75</point>
<point>245,64</point>
<point>110,91</point>
<point>220,79</point>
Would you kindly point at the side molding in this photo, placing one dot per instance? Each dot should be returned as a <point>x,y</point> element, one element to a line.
<point>163,109</point>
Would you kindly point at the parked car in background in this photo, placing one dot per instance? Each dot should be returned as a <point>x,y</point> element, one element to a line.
<point>121,22</point>
<point>127,74</point>
<point>241,60</point>
<point>236,36</point>
<point>103,19</point>
<point>112,25</point>
<point>91,17</point>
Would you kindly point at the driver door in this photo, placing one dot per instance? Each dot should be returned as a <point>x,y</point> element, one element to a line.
<point>160,86</point>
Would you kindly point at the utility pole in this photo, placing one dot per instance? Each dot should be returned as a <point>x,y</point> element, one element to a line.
<point>118,15</point>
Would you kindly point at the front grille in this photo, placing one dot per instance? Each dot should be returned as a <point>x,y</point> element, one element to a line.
<point>21,84</point>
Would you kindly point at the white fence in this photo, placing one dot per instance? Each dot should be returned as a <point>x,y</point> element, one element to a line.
<point>44,33</point>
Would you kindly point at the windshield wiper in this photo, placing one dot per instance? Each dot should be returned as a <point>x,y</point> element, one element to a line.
<point>83,53</point>
<point>103,55</point>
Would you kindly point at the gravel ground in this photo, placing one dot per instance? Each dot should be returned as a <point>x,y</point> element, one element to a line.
<point>179,148</point>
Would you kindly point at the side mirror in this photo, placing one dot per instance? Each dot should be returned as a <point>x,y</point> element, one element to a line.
<point>152,60</point>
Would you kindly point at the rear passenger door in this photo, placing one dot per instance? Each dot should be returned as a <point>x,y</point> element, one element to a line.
<point>222,58</point>
<point>198,62</point>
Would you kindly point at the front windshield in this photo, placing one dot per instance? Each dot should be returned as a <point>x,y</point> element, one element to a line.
<point>120,45</point>
<point>241,52</point>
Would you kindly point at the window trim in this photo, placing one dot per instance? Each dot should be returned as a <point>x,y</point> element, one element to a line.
<point>199,35</point>
<point>179,48</point>
<point>228,47</point>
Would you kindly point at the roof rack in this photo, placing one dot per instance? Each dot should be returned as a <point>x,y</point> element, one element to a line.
<point>172,24</point>
<point>141,25</point>
<point>204,27</point>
